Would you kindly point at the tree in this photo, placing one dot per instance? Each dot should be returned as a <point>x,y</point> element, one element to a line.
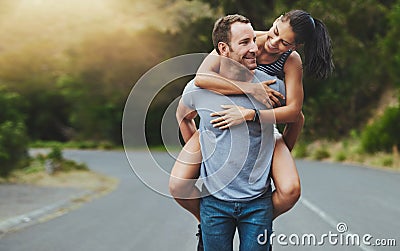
<point>255,10</point>
<point>13,139</point>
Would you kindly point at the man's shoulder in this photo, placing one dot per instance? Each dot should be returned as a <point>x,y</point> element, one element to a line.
<point>262,76</point>
<point>190,86</point>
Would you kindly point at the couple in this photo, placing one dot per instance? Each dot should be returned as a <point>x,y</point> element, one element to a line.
<point>236,163</point>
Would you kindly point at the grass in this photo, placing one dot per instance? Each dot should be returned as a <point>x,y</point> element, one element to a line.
<point>347,151</point>
<point>105,145</point>
<point>67,174</point>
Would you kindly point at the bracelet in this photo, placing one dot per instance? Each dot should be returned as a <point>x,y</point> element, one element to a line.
<point>256,115</point>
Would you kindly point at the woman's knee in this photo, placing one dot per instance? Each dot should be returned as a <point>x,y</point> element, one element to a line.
<point>291,191</point>
<point>176,186</point>
<point>180,188</point>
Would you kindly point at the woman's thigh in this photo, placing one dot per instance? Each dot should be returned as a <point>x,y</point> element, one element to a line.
<point>187,165</point>
<point>284,171</point>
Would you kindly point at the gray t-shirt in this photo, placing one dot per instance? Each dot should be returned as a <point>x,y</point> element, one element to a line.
<point>236,161</point>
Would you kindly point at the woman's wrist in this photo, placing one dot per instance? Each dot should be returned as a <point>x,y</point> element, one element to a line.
<point>250,114</point>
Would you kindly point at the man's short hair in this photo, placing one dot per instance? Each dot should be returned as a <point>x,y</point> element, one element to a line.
<point>222,29</point>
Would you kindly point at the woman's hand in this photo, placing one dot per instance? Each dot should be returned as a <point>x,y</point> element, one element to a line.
<point>231,115</point>
<point>265,94</point>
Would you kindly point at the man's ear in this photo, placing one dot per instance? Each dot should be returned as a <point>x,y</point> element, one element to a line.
<point>223,49</point>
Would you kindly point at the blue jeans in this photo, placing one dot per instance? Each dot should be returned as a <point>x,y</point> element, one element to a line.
<point>219,220</point>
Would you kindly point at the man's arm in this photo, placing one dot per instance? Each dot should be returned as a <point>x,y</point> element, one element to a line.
<point>185,117</point>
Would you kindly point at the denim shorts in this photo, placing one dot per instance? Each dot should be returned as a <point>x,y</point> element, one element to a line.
<point>253,220</point>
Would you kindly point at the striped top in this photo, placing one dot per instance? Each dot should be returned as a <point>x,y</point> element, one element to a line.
<point>276,68</point>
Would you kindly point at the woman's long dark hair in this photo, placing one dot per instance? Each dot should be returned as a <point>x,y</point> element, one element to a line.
<point>314,35</point>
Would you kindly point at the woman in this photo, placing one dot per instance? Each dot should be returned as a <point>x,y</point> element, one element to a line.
<point>276,56</point>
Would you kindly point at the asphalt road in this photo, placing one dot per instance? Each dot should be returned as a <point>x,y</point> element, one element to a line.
<point>139,214</point>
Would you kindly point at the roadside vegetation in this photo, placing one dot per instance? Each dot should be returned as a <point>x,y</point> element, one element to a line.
<point>48,164</point>
<point>347,152</point>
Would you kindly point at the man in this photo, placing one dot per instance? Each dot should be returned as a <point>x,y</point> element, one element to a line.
<point>236,162</point>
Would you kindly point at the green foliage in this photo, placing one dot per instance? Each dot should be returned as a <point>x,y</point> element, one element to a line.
<point>300,150</point>
<point>383,134</point>
<point>335,106</point>
<point>55,162</point>
<point>55,154</point>
<point>13,139</point>
<point>84,144</point>
<point>47,114</point>
<point>388,161</point>
<point>390,44</point>
<point>341,156</point>
<point>321,153</point>
<point>35,166</point>
<point>255,10</point>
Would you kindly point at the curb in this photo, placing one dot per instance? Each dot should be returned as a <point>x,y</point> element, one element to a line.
<point>28,219</point>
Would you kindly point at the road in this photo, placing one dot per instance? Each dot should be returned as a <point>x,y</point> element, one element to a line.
<point>138,215</point>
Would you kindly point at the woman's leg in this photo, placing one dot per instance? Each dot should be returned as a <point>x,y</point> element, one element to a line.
<point>284,172</point>
<point>184,175</point>
<point>286,179</point>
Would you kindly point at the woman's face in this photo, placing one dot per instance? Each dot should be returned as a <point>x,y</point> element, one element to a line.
<point>281,37</point>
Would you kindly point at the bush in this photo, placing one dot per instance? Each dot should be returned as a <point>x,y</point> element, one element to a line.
<point>341,156</point>
<point>55,162</point>
<point>300,150</point>
<point>321,153</point>
<point>13,137</point>
<point>383,134</point>
<point>55,154</point>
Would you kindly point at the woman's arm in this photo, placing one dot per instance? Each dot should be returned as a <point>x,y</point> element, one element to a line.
<point>294,91</point>
<point>285,114</point>
<point>208,77</point>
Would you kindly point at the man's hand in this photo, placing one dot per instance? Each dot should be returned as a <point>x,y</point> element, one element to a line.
<point>266,95</point>
<point>231,115</point>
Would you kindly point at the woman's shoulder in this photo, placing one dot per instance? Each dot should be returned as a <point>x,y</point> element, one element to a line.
<point>293,60</point>
<point>294,57</point>
<point>294,65</point>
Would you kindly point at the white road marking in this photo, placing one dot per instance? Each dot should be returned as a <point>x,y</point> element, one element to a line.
<point>329,219</point>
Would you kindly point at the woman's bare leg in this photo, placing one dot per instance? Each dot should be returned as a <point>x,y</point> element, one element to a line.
<point>184,175</point>
<point>284,172</point>
<point>286,179</point>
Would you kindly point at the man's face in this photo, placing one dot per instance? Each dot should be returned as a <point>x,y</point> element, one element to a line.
<point>242,46</point>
